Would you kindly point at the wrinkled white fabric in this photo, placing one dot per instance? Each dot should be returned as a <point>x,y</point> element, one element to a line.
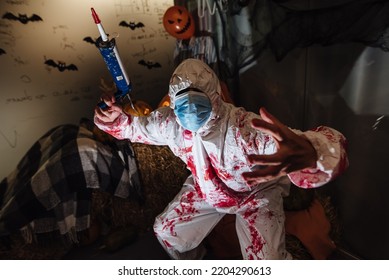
<point>216,157</point>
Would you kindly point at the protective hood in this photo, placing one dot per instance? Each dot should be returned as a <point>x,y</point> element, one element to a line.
<point>193,73</point>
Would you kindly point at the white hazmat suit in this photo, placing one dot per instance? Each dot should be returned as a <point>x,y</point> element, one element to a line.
<point>216,155</point>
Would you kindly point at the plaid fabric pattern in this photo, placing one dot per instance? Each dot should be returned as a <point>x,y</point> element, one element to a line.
<point>50,190</point>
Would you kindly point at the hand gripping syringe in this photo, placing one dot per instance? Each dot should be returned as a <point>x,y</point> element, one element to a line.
<point>115,66</point>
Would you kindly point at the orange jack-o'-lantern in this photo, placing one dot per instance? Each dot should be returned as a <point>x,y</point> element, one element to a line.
<point>178,22</point>
<point>165,101</point>
<point>139,109</point>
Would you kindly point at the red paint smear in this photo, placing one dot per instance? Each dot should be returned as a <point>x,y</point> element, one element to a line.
<point>192,168</point>
<point>191,165</point>
<point>209,173</point>
<point>226,198</point>
<point>115,132</point>
<point>213,159</point>
<point>256,241</point>
<point>251,202</point>
<point>221,174</point>
<point>249,213</point>
<point>270,215</point>
<point>184,151</point>
<point>225,204</point>
<point>183,211</point>
<point>188,135</point>
<point>169,224</point>
<point>224,175</point>
<point>303,181</point>
<point>327,133</point>
<point>167,244</point>
<point>198,190</point>
<point>187,207</point>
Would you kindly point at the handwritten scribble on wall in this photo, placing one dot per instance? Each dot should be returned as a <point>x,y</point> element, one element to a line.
<point>11,143</point>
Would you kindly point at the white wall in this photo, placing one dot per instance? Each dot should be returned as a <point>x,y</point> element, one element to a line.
<point>35,97</point>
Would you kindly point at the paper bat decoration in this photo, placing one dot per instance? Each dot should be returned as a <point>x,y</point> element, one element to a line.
<point>149,64</point>
<point>2,52</point>
<point>61,66</point>
<point>23,18</point>
<point>131,24</point>
<point>90,40</point>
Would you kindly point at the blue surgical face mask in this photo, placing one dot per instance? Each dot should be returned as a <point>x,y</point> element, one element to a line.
<point>192,109</point>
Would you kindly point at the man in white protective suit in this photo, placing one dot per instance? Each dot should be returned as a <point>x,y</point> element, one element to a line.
<point>241,163</point>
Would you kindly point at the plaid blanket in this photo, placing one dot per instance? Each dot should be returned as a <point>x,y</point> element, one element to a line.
<point>51,188</point>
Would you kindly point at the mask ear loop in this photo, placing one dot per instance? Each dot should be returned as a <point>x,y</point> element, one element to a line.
<point>188,89</point>
<point>181,94</point>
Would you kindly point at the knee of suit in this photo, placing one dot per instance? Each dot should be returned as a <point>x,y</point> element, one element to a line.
<point>171,241</point>
<point>165,235</point>
<point>158,227</point>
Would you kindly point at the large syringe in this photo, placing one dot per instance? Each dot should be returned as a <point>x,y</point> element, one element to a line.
<point>112,59</point>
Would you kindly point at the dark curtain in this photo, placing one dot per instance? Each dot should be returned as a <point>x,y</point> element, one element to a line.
<point>238,31</point>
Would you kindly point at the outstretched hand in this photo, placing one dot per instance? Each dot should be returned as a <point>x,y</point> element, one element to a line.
<point>108,115</point>
<point>294,152</point>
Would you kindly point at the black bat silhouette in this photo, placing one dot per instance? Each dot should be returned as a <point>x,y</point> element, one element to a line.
<point>131,24</point>
<point>90,40</point>
<point>2,51</point>
<point>23,18</point>
<point>61,66</point>
<point>149,64</point>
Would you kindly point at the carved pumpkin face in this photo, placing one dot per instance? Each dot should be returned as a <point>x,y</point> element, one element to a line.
<point>178,22</point>
<point>140,109</point>
<point>165,101</point>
